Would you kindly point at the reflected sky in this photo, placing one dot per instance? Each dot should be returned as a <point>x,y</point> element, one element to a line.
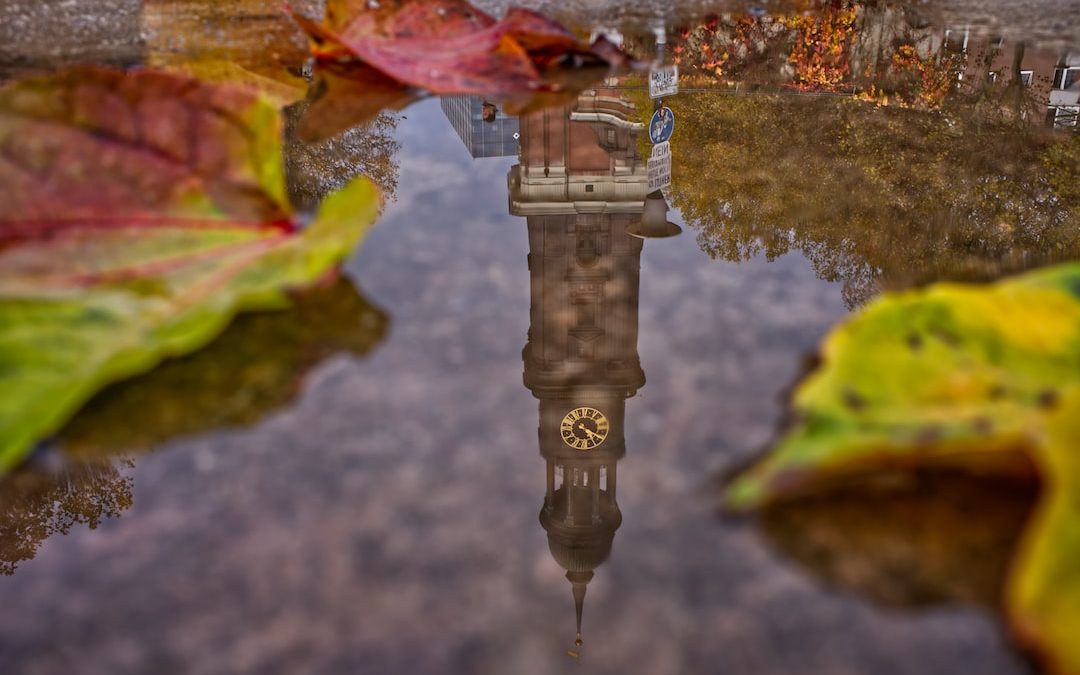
<point>387,520</point>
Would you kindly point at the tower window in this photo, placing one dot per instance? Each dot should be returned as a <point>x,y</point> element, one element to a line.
<point>586,312</point>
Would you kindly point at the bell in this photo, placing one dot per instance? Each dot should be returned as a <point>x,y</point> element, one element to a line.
<point>654,223</point>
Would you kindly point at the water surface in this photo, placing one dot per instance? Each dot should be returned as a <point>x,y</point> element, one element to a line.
<point>379,481</point>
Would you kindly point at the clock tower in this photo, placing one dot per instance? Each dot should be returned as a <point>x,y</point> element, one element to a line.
<point>579,183</point>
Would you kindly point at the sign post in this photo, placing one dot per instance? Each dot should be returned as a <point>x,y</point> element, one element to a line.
<point>663,81</point>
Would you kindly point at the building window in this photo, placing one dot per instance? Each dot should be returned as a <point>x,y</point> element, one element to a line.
<point>1066,77</point>
<point>1065,116</point>
<point>1026,77</point>
<point>956,41</point>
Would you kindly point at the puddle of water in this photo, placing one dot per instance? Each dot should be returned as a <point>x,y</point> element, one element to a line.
<point>519,420</point>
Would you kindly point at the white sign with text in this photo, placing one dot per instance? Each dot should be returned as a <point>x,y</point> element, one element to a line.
<point>663,81</point>
<point>659,167</point>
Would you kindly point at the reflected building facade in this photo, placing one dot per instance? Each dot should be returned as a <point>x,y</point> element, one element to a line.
<point>579,183</point>
<point>1051,79</point>
<point>495,138</point>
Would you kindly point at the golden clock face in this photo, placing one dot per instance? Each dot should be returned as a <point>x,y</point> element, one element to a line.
<point>584,428</point>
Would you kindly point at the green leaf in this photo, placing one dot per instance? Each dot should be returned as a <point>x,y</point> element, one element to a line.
<point>982,379</point>
<point>141,212</point>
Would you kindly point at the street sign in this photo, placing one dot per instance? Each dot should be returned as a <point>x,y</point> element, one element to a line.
<point>661,125</point>
<point>663,81</point>
<point>658,167</point>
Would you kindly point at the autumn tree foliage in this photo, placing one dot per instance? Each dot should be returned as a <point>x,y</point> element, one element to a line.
<point>875,197</point>
<point>820,47</point>
<point>914,80</point>
<point>810,50</point>
<point>741,46</point>
<point>816,51</point>
<point>317,168</point>
<point>35,505</point>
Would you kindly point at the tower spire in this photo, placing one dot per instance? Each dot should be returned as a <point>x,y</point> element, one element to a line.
<point>578,583</point>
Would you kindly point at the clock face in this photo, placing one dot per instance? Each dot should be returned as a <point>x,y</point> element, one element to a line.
<point>584,428</point>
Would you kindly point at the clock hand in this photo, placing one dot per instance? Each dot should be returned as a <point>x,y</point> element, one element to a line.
<point>594,435</point>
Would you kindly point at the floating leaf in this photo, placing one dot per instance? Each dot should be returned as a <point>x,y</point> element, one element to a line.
<point>347,98</point>
<point>141,211</point>
<point>450,47</point>
<point>982,379</point>
<point>344,98</point>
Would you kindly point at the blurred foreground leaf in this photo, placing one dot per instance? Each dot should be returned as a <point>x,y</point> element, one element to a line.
<point>281,90</point>
<point>979,379</point>
<point>138,213</point>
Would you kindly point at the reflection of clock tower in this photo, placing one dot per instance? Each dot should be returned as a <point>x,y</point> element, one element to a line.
<point>579,183</point>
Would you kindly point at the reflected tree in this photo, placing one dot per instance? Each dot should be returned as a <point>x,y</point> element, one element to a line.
<point>820,46</point>
<point>875,196</point>
<point>36,504</point>
<point>316,168</point>
<point>835,47</point>
<point>889,54</point>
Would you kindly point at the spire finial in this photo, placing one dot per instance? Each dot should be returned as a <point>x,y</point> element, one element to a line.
<point>578,583</point>
<point>579,604</point>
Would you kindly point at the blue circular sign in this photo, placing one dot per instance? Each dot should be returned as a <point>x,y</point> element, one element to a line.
<point>661,125</point>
